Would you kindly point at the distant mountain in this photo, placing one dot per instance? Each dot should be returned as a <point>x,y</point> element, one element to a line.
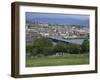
<point>68,21</point>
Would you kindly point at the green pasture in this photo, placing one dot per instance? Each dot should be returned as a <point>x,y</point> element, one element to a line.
<point>68,59</point>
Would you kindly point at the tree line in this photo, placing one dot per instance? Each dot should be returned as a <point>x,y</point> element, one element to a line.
<point>44,47</point>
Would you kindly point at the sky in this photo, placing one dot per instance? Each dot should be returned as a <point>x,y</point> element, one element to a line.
<point>58,18</point>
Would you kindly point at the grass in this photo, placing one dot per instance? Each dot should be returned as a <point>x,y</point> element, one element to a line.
<point>69,59</point>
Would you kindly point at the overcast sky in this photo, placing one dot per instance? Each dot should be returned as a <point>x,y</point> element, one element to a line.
<point>51,16</point>
<point>56,18</point>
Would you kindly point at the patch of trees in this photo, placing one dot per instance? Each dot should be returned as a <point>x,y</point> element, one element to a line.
<point>44,47</point>
<point>85,46</point>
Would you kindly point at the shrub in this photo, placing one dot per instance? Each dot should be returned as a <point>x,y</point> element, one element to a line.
<point>85,46</point>
<point>60,47</point>
<point>74,49</point>
<point>42,46</point>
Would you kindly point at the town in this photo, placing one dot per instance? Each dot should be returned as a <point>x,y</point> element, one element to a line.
<point>56,31</point>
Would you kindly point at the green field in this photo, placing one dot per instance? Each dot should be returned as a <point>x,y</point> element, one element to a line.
<point>68,59</point>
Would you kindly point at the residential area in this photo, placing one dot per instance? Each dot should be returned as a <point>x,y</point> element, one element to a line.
<point>64,32</point>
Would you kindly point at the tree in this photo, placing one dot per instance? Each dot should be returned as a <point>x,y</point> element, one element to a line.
<point>28,48</point>
<point>85,46</point>
<point>48,51</point>
<point>42,42</point>
<point>74,49</point>
<point>38,52</point>
<point>60,47</point>
<point>42,46</point>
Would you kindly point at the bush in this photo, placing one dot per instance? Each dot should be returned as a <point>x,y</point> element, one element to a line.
<point>60,47</point>
<point>42,42</point>
<point>74,49</point>
<point>42,46</point>
<point>85,46</point>
<point>29,49</point>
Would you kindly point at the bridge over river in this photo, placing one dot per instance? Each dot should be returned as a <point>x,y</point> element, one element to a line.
<point>77,41</point>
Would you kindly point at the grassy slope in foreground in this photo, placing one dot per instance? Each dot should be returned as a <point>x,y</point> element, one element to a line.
<point>70,59</point>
